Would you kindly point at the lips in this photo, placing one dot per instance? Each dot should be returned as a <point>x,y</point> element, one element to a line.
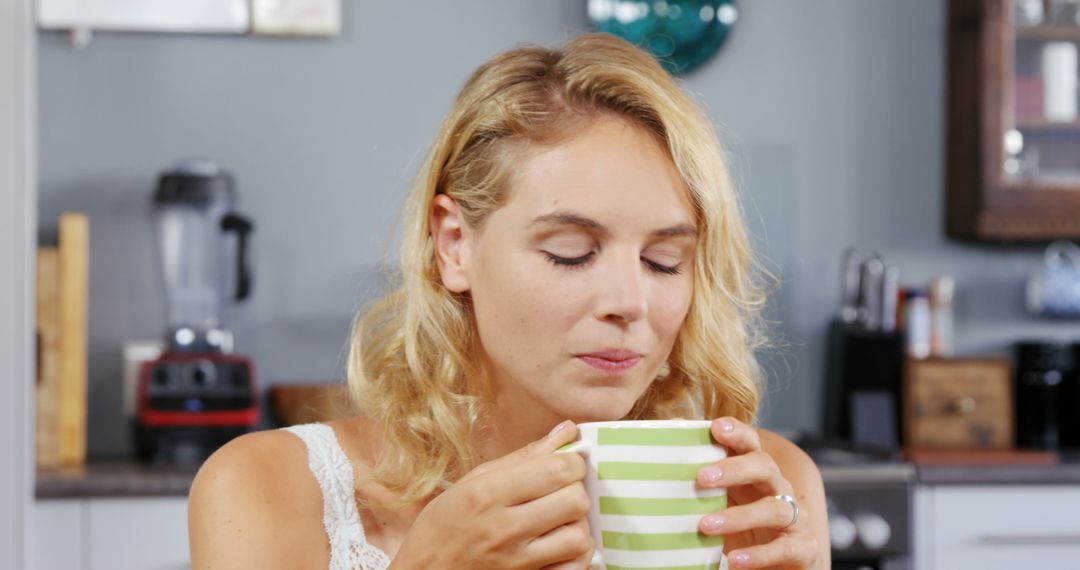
<point>612,361</point>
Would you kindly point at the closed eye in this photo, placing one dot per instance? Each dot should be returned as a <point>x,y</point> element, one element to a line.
<point>580,261</point>
<point>569,261</point>
<point>665,269</point>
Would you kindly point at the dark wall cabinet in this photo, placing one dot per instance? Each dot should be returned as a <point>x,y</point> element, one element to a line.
<point>1013,139</point>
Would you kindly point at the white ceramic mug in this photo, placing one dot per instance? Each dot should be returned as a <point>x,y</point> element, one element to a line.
<point>646,504</point>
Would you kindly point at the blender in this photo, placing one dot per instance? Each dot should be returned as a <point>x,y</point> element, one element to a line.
<point>198,395</point>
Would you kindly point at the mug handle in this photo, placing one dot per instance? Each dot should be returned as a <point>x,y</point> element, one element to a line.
<point>584,449</point>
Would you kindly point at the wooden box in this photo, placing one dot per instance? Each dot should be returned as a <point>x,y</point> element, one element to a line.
<point>958,404</point>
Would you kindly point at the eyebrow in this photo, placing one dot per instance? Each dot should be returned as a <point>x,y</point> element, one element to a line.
<point>571,219</point>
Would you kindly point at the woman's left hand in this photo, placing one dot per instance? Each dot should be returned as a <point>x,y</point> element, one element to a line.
<point>754,486</point>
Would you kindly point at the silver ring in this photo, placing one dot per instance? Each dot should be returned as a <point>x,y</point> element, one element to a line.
<point>794,508</point>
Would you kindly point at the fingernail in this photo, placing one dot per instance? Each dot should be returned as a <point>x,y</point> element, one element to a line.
<point>727,426</point>
<point>711,474</point>
<point>559,428</point>
<point>740,558</point>
<point>713,523</point>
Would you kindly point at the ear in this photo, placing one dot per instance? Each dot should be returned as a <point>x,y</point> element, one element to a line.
<point>448,232</point>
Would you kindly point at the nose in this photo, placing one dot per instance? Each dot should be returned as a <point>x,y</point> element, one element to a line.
<point>622,290</point>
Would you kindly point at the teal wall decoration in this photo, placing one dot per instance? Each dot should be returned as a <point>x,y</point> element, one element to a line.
<point>682,34</point>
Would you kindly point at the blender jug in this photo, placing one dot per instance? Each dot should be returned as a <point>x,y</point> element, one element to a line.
<point>197,395</point>
<point>204,254</point>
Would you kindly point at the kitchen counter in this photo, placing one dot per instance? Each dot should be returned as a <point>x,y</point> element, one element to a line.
<point>121,477</point>
<point>1066,471</point>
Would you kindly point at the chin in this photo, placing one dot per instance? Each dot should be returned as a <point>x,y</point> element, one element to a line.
<point>600,405</point>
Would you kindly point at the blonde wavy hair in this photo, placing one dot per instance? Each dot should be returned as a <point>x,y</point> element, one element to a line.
<point>411,365</point>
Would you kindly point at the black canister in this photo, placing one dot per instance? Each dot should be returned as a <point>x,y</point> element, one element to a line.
<point>1041,370</point>
<point>1070,403</point>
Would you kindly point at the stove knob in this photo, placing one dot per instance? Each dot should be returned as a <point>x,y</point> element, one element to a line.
<point>874,531</point>
<point>842,532</point>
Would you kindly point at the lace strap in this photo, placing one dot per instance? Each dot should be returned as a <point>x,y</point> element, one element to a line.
<point>349,549</point>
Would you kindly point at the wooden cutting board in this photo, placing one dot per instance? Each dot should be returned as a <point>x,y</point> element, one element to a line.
<point>62,287</point>
<point>48,358</point>
<point>74,264</point>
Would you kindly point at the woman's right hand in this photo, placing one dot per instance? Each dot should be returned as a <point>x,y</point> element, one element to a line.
<point>524,511</point>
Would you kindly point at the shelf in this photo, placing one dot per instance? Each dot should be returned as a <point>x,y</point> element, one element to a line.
<point>1045,182</point>
<point>1036,124</point>
<point>1034,225</point>
<point>1049,32</point>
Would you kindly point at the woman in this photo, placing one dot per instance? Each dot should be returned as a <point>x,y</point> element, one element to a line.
<point>573,252</point>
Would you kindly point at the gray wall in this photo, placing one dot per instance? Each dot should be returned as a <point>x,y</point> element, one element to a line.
<point>18,210</point>
<point>833,111</point>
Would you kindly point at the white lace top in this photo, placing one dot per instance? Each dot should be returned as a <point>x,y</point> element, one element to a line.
<point>349,549</point>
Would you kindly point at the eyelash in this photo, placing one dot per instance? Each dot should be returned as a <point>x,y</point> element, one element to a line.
<point>576,262</point>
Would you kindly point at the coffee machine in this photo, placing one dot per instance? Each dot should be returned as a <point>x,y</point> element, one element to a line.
<point>198,394</point>
<point>1047,395</point>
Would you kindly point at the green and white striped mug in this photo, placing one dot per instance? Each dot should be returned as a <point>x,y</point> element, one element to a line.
<point>646,504</point>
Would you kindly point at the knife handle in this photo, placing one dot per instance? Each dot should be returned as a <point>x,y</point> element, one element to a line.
<point>873,274</point>
<point>850,281</point>
<point>890,289</point>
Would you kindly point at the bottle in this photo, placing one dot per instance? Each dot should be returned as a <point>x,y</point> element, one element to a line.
<point>1059,79</point>
<point>941,317</point>
<point>917,322</point>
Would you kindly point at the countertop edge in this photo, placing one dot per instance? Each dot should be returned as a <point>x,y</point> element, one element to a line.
<point>1061,474</point>
<point>120,478</point>
<point>114,478</point>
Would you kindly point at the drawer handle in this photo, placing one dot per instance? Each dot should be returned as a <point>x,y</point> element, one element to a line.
<point>962,406</point>
<point>1029,539</point>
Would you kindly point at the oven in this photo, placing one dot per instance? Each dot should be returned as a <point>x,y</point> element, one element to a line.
<point>870,496</point>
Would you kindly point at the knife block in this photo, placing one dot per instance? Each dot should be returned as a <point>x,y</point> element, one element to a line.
<point>62,291</point>
<point>864,372</point>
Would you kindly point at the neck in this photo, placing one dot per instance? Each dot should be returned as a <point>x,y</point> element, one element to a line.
<point>512,422</point>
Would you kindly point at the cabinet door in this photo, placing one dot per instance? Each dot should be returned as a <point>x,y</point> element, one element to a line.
<point>142,534</point>
<point>1013,143</point>
<point>1006,527</point>
<point>58,538</point>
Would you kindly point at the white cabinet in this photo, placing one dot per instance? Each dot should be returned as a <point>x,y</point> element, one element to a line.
<point>144,534</point>
<point>111,534</point>
<point>997,527</point>
<point>58,537</point>
<point>214,16</point>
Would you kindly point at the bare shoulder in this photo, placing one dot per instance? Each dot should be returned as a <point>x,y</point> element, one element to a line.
<point>805,478</point>
<point>793,461</point>
<point>255,504</point>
